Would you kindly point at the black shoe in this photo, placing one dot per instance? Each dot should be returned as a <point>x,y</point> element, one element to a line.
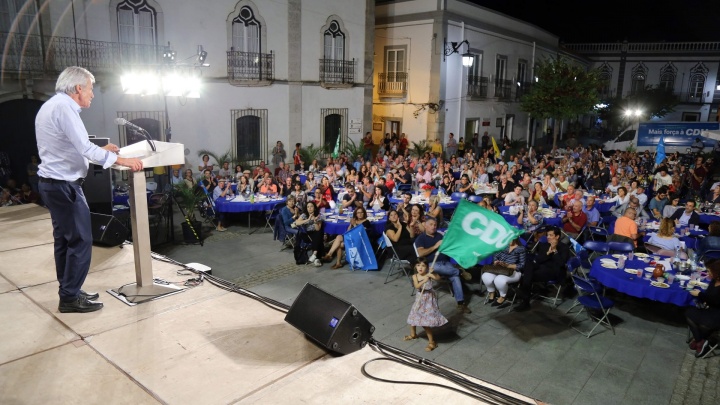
<point>504,304</point>
<point>704,349</point>
<point>81,304</point>
<point>494,303</point>
<point>524,306</point>
<point>89,296</point>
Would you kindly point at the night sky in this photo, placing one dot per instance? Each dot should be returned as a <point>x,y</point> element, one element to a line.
<point>613,21</point>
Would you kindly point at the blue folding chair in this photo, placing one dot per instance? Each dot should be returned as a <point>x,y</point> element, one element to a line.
<point>475,198</point>
<point>620,247</point>
<point>595,305</point>
<point>596,248</point>
<point>457,196</point>
<point>597,231</point>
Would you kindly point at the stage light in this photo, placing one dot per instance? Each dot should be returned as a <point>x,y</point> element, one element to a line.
<point>201,55</point>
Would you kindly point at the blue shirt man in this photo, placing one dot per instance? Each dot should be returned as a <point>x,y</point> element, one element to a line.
<point>593,215</point>
<point>65,149</point>
<point>426,245</point>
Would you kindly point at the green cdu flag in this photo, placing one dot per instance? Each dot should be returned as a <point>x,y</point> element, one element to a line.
<point>337,146</point>
<point>476,233</point>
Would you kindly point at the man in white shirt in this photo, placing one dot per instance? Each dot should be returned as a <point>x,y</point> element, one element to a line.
<point>640,194</point>
<point>515,197</point>
<point>65,149</point>
<point>422,176</point>
<point>613,186</point>
<point>662,178</point>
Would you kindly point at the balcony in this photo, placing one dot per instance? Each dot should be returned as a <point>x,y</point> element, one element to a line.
<point>36,55</point>
<point>337,73</point>
<point>477,87</point>
<point>250,68</point>
<point>503,89</point>
<point>521,89</point>
<point>392,84</point>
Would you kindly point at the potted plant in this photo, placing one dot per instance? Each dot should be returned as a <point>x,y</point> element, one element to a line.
<point>188,199</point>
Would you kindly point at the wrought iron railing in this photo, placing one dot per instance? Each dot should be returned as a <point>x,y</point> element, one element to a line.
<point>643,47</point>
<point>334,71</point>
<point>503,89</point>
<point>477,86</point>
<point>36,54</point>
<point>521,89</point>
<point>392,84</point>
<point>247,67</point>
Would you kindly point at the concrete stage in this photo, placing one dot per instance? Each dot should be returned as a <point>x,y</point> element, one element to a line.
<point>203,346</point>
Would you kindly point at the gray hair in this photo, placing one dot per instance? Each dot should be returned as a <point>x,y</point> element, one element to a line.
<point>73,76</point>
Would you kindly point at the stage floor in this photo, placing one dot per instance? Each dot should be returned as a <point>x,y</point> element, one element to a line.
<point>202,346</point>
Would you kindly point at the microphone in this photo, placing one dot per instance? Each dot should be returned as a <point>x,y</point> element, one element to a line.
<point>123,121</point>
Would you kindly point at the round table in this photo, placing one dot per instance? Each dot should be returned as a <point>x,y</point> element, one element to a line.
<point>707,218</point>
<point>512,219</point>
<point>639,287</point>
<point>418,199</point>
<point>237,205</point>
<point>335,225</point>
<point>601,207</point>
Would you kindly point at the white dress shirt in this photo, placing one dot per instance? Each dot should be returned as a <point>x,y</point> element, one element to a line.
<point>63,143</point>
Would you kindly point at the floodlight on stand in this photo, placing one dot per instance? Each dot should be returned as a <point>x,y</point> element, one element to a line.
<point>169,54</point>
<point>201,55</point>
<point>145,84</point>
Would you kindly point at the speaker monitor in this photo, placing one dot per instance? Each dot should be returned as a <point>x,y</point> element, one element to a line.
<point>107,230</point>
<point>330,321</point>
<point>98,184</point>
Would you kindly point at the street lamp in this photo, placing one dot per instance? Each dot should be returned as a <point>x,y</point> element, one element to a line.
<point>452,47</point>
<point>637,113</point>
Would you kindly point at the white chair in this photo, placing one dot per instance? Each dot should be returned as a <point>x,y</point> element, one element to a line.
<point>396,264</point>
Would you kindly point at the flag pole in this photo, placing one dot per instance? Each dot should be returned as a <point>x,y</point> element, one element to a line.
<point>434,260</point>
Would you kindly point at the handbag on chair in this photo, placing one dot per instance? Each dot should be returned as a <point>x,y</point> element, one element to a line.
<point>499,270</point>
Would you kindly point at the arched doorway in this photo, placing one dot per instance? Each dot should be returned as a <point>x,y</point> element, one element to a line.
<point>17,138</point>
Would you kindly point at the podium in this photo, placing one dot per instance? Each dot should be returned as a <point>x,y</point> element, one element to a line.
<point>144,288</point>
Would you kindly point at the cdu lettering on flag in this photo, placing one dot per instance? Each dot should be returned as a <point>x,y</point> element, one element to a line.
<point>476,233</point>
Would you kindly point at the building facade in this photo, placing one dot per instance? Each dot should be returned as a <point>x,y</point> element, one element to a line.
<point>688,69</point>
<point>289,70</point>
<point>422,87</point>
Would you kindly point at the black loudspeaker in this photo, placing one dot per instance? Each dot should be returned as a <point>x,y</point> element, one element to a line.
<point>107,230</point>
<point>98,184</point>
<point>330,321</point>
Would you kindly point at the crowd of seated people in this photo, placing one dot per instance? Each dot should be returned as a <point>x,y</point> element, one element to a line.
<point>11,194</point>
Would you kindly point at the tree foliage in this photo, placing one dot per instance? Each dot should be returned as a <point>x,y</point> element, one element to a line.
<point>563,90</point>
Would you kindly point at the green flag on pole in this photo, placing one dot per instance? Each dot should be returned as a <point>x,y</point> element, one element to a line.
<point>336,152</point>
<point>476,233</point>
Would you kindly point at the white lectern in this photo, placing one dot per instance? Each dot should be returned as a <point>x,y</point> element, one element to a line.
<point>165,154</point>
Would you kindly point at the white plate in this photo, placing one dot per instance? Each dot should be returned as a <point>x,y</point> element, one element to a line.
<point>659,285</point>
<point>631,271</point>
<point>682,277</point>
<point>611,261</point>
<point>617,256</point>
<point>641,254</point>
<point>609,265</point>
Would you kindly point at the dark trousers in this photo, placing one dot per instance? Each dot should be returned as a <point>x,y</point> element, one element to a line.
<point>702,322</point>
<point>72,233</point>
<point>535,273</point>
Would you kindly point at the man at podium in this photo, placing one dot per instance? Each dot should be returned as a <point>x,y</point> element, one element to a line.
<point>64,150</point>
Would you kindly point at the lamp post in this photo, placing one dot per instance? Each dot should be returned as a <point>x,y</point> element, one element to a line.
<point>636,113</point>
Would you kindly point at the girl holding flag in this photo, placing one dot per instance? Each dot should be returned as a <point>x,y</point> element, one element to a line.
<point>425,311</point>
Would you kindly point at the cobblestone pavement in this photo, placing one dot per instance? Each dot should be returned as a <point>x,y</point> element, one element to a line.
<point>271,274</point>
<point>697,382</point>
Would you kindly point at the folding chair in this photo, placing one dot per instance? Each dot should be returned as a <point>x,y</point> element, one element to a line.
<point>396,263</point>
<point>457,196</point>
<point>206,207</point>
<point>475,198</point>
<point>709,254</point>
<point>512,289</point>
<point>592,303</point>
<point>404,187</point>
<point>272,214</point>
<point>714,337</point>
<point>598,231</point>
<point>621,247</point>
<point>596,248</point>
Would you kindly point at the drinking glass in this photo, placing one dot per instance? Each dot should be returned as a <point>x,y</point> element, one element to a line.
<point>671,278</point>
<point>647,275</point>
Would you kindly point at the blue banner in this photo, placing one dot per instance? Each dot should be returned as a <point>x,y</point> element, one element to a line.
<point>358,250</point>
<point>660,152</point>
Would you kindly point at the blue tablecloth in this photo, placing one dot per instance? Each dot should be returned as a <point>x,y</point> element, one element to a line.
<point>706,218</point>
<point>340,226</point>
<point>223,205</point>
<point>443,205</point>
<point>512,219</point>
<point>601,207</point>
<point>635,286</point>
